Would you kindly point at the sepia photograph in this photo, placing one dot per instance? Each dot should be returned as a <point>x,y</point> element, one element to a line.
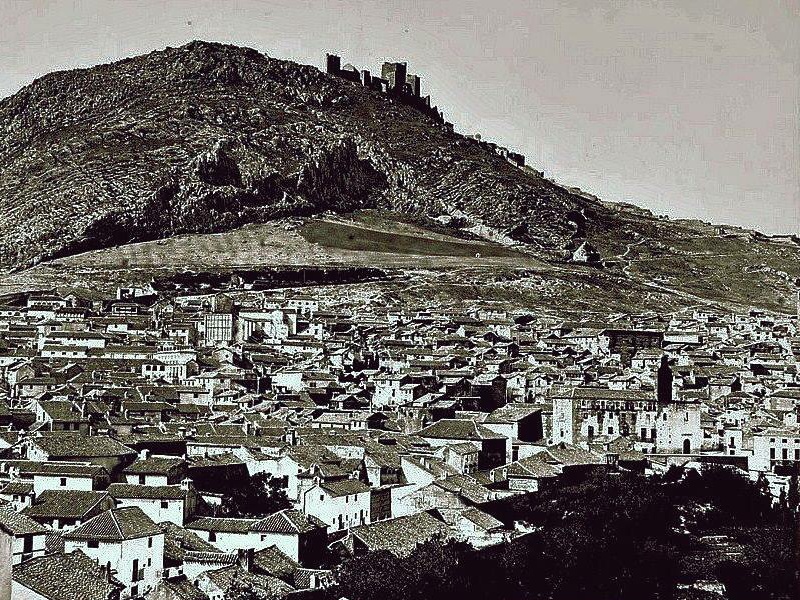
<point>399,300</point>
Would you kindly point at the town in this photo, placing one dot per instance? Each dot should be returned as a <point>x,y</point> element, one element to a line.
<point>172,445</point>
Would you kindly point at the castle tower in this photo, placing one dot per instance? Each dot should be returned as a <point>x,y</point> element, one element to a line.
<point>333,64</point>
<point>395,74</point>
<point>414,84</point>
<point>664,379</point>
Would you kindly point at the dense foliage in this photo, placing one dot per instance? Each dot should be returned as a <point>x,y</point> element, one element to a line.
<point>258,496</point>
<point>614,536</point>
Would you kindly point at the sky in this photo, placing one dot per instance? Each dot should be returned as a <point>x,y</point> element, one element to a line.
<point>687,107</point>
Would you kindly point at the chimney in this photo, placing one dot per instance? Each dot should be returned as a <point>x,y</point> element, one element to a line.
<point>186,483</point>
<point>106,572</point>
<point>291,436</point>
<point>246,559</point>
<point>144,454</point>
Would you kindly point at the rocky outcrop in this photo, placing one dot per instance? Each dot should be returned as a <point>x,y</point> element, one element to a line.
<point>337,179</point>
<point>216,168</point>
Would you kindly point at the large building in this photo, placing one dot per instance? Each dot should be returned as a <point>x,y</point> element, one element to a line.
<point>654,421</point>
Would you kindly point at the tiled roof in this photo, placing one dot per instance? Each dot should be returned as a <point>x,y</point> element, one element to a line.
<point>18,524</point>
<point>598,393</point>
<point>567,454</point>
<point>288,521</point>
<point>75,445</point>
<point>401,535</point>
<point>53,542</point>
<point>179,540</point>
<point>177,589</point>
<point>345,487</point>
<point>511,413</point>
<point>72,576</point>
<point>222,524</point>
<point>62,468</point>
<point>462,448</point>
<point>532,466</point>
<point>459,429</point>
<point>272,561</point>
<point>64,504</point>
<point>19,488</point>
<point>146,492</point>
<point>210,557</point>
<point>115,525</point>
<point>263,586</point>
<point>155,465</point>
<point>466,487</point>
<point>481,519</point>
<point>61,410</point>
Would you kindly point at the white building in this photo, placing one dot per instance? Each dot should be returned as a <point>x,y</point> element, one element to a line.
<point>173,503</point>
<point>21,538</point>
<point>126,541</point>
<point>774,447</point>
<point>301,537</point>
<point>340,504</point>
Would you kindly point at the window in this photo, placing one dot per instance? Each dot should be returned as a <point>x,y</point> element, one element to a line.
<point>164,504</point>
<point>93,544</point>
<point>149,542</point>
<point>63,482</point>
<point>212,536</point>
<point>142,479</point>
<point>772,452</point>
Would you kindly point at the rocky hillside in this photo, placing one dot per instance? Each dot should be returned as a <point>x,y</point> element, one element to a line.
<point>206,137</point>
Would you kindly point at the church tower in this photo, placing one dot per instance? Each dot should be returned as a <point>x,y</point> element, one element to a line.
<point>664,379</point>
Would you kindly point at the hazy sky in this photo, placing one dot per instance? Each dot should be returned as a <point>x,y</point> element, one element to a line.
<point>687,107</point>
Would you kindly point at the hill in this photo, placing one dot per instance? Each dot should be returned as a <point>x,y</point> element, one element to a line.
<point>207,137</point>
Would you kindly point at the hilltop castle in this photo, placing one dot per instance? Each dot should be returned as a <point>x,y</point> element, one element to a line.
<point>405,87</point>
<point>395,81</point>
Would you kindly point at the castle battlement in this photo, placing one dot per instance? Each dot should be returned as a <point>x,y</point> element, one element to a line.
<point>395,81</point>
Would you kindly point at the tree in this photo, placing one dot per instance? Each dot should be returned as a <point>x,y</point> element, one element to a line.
<point>793,496</point>
<point>258,496</point>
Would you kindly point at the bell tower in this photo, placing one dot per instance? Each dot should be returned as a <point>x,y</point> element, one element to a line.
<point>664,382</point>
